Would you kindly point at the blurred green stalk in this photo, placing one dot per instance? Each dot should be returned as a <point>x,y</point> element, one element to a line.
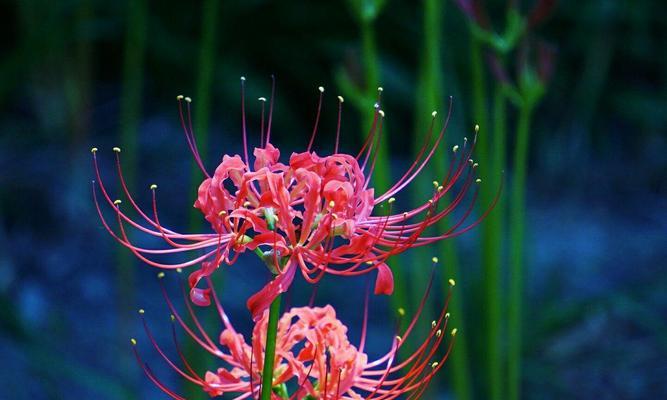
<point>517,225</point>
<point>429,97</point>
<point>130,115</point>
<point>201,117</point>
<point>492,244</point>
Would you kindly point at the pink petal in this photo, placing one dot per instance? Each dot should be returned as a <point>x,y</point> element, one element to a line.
<point>261,300</point>
<point>384,284</point>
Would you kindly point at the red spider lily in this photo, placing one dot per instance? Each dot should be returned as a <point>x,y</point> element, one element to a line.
<point>314,358</point>
<point>312,214</point>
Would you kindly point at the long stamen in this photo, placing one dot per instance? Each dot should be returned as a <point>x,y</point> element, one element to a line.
<point>317,119</point>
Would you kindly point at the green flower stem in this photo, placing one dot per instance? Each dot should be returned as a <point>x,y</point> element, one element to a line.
<point>492,246</point>
<point>517,226</point>
<point>270,349</point>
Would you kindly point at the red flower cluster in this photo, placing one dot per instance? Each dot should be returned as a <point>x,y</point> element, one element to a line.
<point>313,213</point>
<point>314,358</point>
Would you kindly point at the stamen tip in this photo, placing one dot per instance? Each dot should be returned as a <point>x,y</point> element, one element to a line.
<point>263,99</point>
<point>447,315</point>
<point>478,180</point>
<point>398,338</point>
<point>435,183</point>
<point>93,150</point>
<point>243,79</point>
<point>369,262</point>
<point>455,148</point>
<point>321,89</point>
<point>153,186</point>
<point>381,113</point>
<point>454,331</point>
<point>476,128</point>
<point>380,89</point>
<point>116,149</point>
<point>188,99</point>
<point>341,99</point>
<point>179,270</point>
<point>434,364</point>
<point>438,333</point>
<point>434,259</point>
<point>434,113</point>
<point>452,282</point>
<point>160,275</point>
<point>391,200</point>
<point>179,97</point>
<point>401,311</point>
<point>142,311</point>
<point>172,317</point>
<point>433,324</point>
<point>133,341</point>
<point>117,202</point>
<point>332,204</point>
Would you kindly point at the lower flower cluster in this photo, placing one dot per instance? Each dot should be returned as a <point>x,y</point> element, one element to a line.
<point>314,359</point>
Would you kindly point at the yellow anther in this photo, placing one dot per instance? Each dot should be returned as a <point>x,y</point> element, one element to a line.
<point>433,324</point>
<point>179,97</point>
<point>262,99</point>
<point>116,149</point>
<point>179,270</point>
<point>434,259</point>
<point>93,150</point>
<point>222,213</point>
<point>455,148</point>
<point>246,204</point>
<point>117,202</point>
<point>321,89</point>
<point>438,333</point>
<point>141,311</point>
<point>440,188</point>
<point>172,318</point>
<point>478,180</point>
<point>391,200</point>
<point>381,113</point>
<point>452,282</point>
<point>243,78</point>
<point>475,165</point>
<point>454,331</point>
<point>380,88</point>
<point>153,186</point>
<point>447,315</point>
<point>188,99</point>
<point>436,184</point>
<point>470,161</point>
<point>465,139</point>
<point>160,275</point>
<point>369,262</point>
<point>476,128</point>
<point>434,364</point>
<point>405,214</point>
<point>133,341</point>
<point>430,201</point>
<point>332,204</point>
<point>434,113</point>
<point>401,311</point>
<point>341,99</point>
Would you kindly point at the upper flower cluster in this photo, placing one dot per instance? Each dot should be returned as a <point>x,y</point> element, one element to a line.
<point>313,213</point>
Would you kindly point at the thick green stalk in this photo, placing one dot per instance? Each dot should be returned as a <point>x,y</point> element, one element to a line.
<point>270,349</point>
<point>130,115</point>
<point>429,98</point>
<point>201,117</point>
<point>382,172</point>
<point>517,226</point>
<point>492,247</point>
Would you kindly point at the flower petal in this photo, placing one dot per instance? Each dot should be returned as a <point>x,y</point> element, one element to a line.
<point>384,284</point>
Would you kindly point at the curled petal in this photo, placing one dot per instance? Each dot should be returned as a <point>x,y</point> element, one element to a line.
<point>261,300</point>
<point>384,283</point>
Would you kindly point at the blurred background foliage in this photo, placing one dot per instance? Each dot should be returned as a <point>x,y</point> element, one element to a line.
<point>561,291</point>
